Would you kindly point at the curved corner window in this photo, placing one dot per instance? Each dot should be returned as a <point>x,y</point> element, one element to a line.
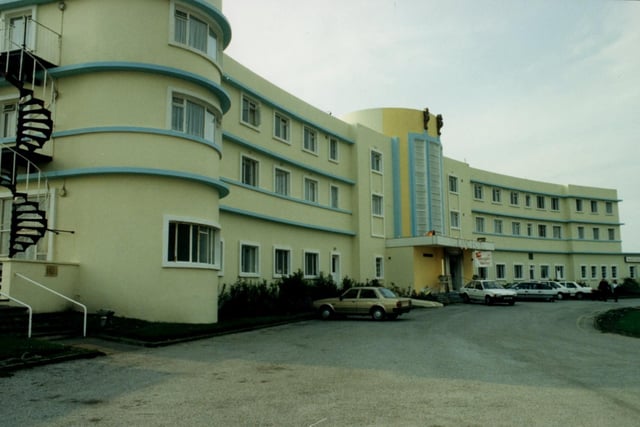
<point>192,244</point>
<point>195,33</point>
<point>192,118</point>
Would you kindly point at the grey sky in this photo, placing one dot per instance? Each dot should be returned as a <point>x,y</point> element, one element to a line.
<point>541,89</point>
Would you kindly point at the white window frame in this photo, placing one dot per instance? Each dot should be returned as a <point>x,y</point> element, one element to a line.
<point>8,118</point>
<point>515,228</point>
<point>197,222</point>
<point>478,192</point>
<point>480,224</point>
<point>281,125</point>
<point>559,272</point>
<point>334,196</point>
<point>611,234</point>
<point>594,206</point>
<point>276,185</point>
<point>316,257</point>
<point>544,271</point>
<point>276,267</point>
<point>608,208</point>
<point>256,261</point>
<point>581,234</point>
<point>309,186</point>
<point>6,17</point>
<point>579,205</point>
<point>555,204</point>
<point>501,271</point>
<point>334,150</point>
<point>212,47</point>
<point>584,272</point>
<point>514,198</point>
<point>184,101</point>
<point>557,231</point>
<point>255,174</point>
<point>377,205</point>
<point>453,184</point>
<point>496,195</point>
<point>541,202</point>
<point>454,219</point>
<point>253,111</point>
<point>379,266</point>
<point>596,233</point>
<point>310,140</point>
<point>542,231</point>
<point>518,271</point>
<point>497,226</point>
<point>376,162</point>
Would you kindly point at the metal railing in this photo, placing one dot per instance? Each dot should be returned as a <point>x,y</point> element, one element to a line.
<point>84,307</point>
<point>28,308</point>
<point>33,37</point>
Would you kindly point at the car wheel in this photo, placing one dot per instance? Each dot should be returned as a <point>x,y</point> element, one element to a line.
<point>560,296</point>
<point>326,312</point>
<point>465,299</point>
<point>488,300</point>
<point>579,295</point>
<point>377,313</point>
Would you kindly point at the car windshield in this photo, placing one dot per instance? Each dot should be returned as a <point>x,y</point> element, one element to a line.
<point>386,293</point>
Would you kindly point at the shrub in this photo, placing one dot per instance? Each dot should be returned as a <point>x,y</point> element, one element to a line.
<point>629,287</point>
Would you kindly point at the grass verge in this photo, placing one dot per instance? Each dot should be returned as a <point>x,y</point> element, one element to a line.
<point>624,321</point>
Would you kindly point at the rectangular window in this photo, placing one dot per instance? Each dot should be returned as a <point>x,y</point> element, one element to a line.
<point>192,118</point>
<point>559,275</point>
<point>376,161</point>
<point>614,271</point>
<point>195,33</point>
<point>583,272</point>
<point>477,191</point>
<point>310,140</point>
<point>555,204</point>
<point>501,271</point>
<point>379,267</point>
<point>191,243</point>
<point>249,171</point>
<point>632,271</point>
<point>454,219</point>
<point>540,202</point>
<point>334,151</point>
<point>249,259</point>
<point>557,232</point>
<point>518,271</point>
<point>334,196</point>
<point>281,127</point>
<point>514,198</point>
<point>594,206</point>
<point>579,207</point>
<point>544,272</point>
<point>20,31</point>
<point>496,195</point>
<point>480,225</point>
<point>311,264</point>
<point>596,233</point>
<point>594,272</point>
<point>608,208</point>
<point>580,233</point>
<point>603,271</point>
<point>529,229</point>
<point>311,190</point>
<point>281,262</point>
<point>453,184</point>
<point>8,120</point>
<point>542,230</point>
<point>527,200</point>
<point>612,233</point>
<point>497,226</point>
<point>282,182</point>
<point>515,228</point>
<point>250,112</point>
<point>377,208</point>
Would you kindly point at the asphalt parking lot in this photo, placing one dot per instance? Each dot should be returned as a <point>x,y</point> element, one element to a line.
<point>462,365</point>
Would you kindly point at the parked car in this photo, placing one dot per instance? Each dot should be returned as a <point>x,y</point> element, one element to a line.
<point>561,291</point>
<point>576,291</point>
<point>377,302</point>
<point>535,291</point>
<point>487,291</point>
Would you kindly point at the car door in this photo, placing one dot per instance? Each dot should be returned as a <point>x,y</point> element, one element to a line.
<point>366,299</point>
<point>472,291</point>
<point>523,290</point>
<point>348,303</point>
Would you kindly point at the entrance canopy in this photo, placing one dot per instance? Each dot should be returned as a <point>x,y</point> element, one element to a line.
<point>451,244</point>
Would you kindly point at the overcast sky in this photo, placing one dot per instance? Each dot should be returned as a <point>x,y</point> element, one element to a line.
<point>547,90</point>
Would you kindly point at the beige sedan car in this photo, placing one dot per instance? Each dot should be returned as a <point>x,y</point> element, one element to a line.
<point>379,303</point>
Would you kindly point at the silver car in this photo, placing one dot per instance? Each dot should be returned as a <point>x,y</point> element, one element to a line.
<point>535,291</point>
<point>487,291</point>
<point>576,291</point>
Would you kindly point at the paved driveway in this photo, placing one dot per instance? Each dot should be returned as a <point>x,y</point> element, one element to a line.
<point>462,365</point>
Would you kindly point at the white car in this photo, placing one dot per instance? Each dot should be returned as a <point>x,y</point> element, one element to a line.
<point>535,291</point>
<point>561,291</point>
<point>576,291</point>
<point>487,291</point>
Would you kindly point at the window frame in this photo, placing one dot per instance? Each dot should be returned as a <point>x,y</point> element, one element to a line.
<point>279,250</point>
<point>379,267</point>
<point>377,205</point>
<point>454,219</point>
<point>281,123</point>
<point>310,140</point>
<point>210,118</point>
<point>252,117</point>
<point>478,192</point>
<point>334,196</point>
<point>276,187</point>
<point>376,161</point>
<point>334,150</point>
<point>212,32</point>
<point>496,195</point>
<point>453,184</point>
<point>255,174</point>
<point>316,261</point>
<point>241,260</point>
<point>168,220</point>
<point>306,181</point>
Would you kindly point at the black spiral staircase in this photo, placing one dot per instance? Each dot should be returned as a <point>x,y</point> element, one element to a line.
<point>33,129</point>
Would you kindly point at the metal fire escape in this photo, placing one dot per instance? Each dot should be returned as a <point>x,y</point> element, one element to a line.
<point>23,68</point>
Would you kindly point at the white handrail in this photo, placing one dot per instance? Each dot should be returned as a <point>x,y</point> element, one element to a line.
<point>84,307</point>
<point>26,305</point>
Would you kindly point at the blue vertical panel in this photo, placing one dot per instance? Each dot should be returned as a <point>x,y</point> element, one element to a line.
<point>397,196</point>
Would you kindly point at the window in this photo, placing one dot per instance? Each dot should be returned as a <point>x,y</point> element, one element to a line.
<point>334,153</point>
<point>377,208</point>
<point>334,196</point>
<point>614,271</point>
<point>192,118</point>
<point>542,230</point>
<point>453,184</point>
<point>454,219</point>
<point>281,127</point>
<point>480,225</point>
<point>33,252</point>
<point>311,190</point>
<point>249,259</point>
<point>515,228</point>
<point>500,271</point>
<point>594,206</point>
<point>250,112</point>
<point>580,233</point>
<point>281,262</point>
<point>544,272</point>
<point>555,204</point>
<point>518,271</point>
<point>594,272</point>
<point>532,272</point>
<point>608,208</point>
<point>192,243</point>
<point>311,264</point>
<point>8,120</point>
<point>514,198</point>
<point>379,267</point>
<point>376,161</point>
<point>557,232</point>
<point>497,226</point>
<point>195,33</point>
<point>603,271</point>
<point>596,233</point>
<point>310,142</point>
<point>21,31</point>
<point>527,200</point>
<point>612,233</point>
<point>477,191</point>
<point>579,207</point>
<point>583,271</point>
<point>496,195</point>
<point>632,271</point>
<point>540,202</point>
<point>249,171</point>
<point>282,181</point>
<point>529,229</point>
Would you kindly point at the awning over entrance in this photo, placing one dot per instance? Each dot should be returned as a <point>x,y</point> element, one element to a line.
<point>451,243</point>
